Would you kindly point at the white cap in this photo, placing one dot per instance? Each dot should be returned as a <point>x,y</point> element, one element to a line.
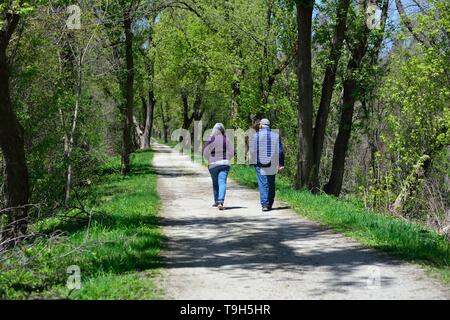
<point>265,122</point>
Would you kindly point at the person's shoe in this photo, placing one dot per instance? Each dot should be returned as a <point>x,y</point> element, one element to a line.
<point>221,207</point>
<point>265,209</point>
<point>215,205</point>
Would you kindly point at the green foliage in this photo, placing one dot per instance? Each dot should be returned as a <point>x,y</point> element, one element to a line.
<point>403,94</point>
<point>418,95</point>
<point>44,75</point>
<point>215,50</point>
<point>225,42</point>
<point>415,92</point>
<point>116,246</point>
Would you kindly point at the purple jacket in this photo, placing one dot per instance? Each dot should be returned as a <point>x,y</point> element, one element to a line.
<point>218,151</point>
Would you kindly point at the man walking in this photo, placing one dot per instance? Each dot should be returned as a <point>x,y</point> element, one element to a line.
<point>266,153</point>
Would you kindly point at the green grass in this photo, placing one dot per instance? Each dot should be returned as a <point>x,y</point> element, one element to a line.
<point>117,249</point>
<point>409,241</point>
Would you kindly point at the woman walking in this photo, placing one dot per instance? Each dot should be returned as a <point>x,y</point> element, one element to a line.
<point>218,152</point>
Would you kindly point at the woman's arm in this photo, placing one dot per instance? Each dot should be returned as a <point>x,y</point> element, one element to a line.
<point>207,149</point>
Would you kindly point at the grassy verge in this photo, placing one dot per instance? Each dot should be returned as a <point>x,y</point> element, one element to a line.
<point>115,243</point>
<point>409,241</point>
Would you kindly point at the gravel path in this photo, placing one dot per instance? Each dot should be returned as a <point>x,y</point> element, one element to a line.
<point>242,253</point>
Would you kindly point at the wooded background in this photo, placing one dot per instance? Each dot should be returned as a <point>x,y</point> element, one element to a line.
<point>363,109</point>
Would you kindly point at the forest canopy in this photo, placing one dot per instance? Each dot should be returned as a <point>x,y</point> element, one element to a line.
<point>359,89</point>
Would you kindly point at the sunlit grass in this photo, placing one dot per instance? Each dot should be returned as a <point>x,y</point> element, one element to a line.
<point>117,248</point>
<point>404,239</point>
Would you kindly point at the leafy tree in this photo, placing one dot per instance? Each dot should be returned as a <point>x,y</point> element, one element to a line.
<point>17,190</point>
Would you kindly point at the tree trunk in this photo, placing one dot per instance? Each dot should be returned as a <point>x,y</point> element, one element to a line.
<point>144,111</point>
<point>421,169</point>
<point>263,70</point>
<point>187,120</point>
<point>16,187</point>
<point>127,143</point>
<point>327,89</point>
<point>238,71</point>
<point>148,126</point>
<point>411,184</point>
<point>334,185</point>
<point>198,110</point>
<point>419,36</point>
<point>352,89</point>
<point>305,91</point>
<point>150,105</point>
<point>368,103</point>
<point>68,152</point>
<point>71,78</point>
<point>235,93</point>
<point>151,117</point>
<point>71,140</point>
<point>165,122</point>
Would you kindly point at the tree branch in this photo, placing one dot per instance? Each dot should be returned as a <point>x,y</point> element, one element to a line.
<point>419,36</point>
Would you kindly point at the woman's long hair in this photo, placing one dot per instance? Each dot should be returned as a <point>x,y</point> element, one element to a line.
<point>218,129</point>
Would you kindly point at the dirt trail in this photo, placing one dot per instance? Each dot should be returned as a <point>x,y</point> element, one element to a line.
<point>242,253</point>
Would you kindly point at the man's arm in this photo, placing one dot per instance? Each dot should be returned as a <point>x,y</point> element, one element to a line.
<point>281,152</point>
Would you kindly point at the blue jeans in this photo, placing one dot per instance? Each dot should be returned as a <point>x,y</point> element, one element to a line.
<point>266,186</point>
<point>219,179</point>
